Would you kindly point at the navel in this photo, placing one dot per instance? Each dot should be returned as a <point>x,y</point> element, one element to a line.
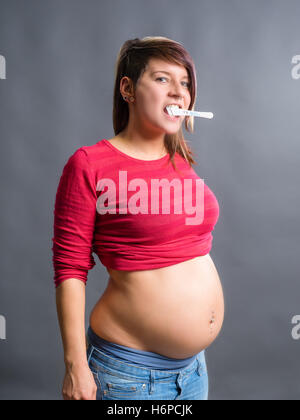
<point>212,321</point>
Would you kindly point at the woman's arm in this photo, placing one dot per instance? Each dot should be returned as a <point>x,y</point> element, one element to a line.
<point>74,223</point>
<point>79,383</point>
<point>70,304</point>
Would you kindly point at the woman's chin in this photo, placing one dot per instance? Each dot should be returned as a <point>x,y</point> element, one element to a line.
<point>172,130</point>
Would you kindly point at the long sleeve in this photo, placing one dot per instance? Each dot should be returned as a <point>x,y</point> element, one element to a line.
<point>74,220</point>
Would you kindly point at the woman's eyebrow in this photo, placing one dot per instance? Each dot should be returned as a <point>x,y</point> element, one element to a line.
<point>162,71</point>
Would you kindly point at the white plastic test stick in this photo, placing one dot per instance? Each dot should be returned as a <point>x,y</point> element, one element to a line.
<point>179,111</point>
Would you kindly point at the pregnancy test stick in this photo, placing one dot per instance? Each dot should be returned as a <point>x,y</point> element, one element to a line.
<point>179,111</point>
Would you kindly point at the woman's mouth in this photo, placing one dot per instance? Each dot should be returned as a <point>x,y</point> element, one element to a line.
<point>170,117</point>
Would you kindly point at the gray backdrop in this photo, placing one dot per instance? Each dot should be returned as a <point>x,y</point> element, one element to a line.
<point>57,96</point>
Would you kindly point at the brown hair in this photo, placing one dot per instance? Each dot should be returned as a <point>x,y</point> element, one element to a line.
<point>132,61</point>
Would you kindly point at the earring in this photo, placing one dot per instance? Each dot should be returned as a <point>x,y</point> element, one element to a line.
<point>131,99</point>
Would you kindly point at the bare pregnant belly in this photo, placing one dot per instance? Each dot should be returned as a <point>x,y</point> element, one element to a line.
<point>176,311</point>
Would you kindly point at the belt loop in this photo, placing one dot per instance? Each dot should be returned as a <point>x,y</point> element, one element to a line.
<point>151,381</point>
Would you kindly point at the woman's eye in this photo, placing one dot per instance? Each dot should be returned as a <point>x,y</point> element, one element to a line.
<point>159,78</point>
<point>187,84</point>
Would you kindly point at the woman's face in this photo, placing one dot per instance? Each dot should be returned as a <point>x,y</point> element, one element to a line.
<point>161,84</point>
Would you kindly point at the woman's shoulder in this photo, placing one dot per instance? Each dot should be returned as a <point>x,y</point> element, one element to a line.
<point>92,148</point>
<point>91,152</point>
<point>87,155</point>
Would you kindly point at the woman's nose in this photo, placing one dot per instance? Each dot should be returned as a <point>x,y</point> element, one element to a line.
<point>177,90</point>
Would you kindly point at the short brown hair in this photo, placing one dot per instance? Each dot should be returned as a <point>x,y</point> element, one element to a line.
<point>132,61</point>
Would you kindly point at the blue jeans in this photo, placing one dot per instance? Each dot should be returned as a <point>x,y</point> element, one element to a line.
<point>117,380</point>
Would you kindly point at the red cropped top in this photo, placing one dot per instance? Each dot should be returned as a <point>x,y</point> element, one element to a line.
<point>133,214</point>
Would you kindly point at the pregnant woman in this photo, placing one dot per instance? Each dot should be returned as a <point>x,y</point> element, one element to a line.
<point>136,202</point>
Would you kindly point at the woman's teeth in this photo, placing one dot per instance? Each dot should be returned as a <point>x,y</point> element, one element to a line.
<point>171,108</point>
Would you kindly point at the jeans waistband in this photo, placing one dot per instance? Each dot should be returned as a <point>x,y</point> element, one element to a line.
<point>113,354</point>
